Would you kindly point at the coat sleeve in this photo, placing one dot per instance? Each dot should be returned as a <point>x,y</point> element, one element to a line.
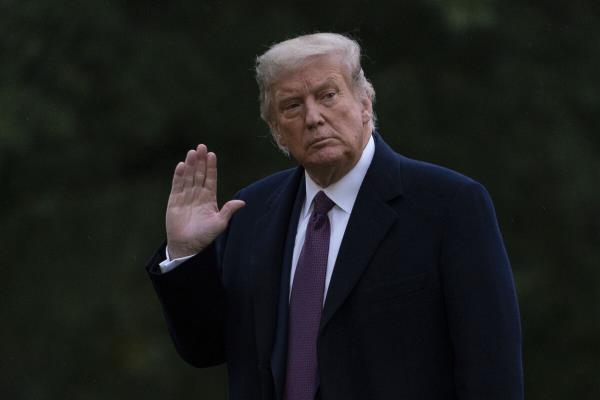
<point>193,302</point>
<point>481,303</point>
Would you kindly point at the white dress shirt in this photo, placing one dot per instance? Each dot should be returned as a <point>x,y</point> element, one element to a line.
<point>343,193</point>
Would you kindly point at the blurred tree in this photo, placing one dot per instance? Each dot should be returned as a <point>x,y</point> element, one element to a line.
<point>98,101</point>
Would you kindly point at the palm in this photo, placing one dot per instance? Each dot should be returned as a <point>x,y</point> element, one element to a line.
<point>193,218</point>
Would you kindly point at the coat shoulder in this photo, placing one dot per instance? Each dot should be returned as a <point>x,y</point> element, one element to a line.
<point>433,186</point>
<point>265,189</point>
<point>422,181</point>
<point>421,174</point>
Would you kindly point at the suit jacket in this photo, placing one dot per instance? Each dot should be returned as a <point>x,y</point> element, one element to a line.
<point>421,304</point>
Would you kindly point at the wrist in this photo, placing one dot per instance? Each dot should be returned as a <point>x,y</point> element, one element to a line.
<point>175,251</point>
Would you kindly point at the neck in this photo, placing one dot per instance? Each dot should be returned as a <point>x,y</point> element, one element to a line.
<point>326,176</point>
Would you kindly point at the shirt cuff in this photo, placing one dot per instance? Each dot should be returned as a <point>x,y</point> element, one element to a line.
<point>168,264</point>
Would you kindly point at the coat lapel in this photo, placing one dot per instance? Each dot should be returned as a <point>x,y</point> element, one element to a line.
<point>371,218</point>
<point>279,353</point>
<point>269,249</point>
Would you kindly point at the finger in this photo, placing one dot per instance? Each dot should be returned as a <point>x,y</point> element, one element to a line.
<point>211,172</point>
<point>178,181</point>
<point>200,169</point>
<point>230,208</point>
<point>190,166</point>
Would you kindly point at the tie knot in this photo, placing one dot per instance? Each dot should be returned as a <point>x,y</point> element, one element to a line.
<point>322,203</point>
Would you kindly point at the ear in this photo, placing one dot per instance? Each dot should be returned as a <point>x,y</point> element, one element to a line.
<point>273,126</point>
<point>367,109</point>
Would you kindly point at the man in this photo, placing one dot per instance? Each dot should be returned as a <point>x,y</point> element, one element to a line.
<point>360,274</point>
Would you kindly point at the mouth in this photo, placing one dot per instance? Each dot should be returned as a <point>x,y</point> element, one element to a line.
<point>320,142</point>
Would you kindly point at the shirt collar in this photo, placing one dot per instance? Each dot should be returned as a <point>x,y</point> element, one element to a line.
<point>343,192</point>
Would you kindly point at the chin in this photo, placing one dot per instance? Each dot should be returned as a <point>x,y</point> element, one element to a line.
<point>325,158</point>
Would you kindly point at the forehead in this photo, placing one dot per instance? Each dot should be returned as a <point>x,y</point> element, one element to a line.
<point>314,73</point>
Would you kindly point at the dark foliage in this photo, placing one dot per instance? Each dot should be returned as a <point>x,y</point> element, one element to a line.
<point>100,99</point>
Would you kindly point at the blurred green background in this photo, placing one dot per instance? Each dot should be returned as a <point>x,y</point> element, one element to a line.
<point>100,99</point>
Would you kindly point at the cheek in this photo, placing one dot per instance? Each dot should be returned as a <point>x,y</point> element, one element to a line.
<point>352,114</point>
<point>351,122</point>
<point>290,135</point>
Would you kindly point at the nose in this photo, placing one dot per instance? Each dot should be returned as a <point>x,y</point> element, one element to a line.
<point>313,117</point>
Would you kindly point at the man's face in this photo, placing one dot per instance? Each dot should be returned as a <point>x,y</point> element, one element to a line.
<point>319,119</point>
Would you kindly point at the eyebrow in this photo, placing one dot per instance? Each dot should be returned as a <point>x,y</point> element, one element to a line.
<point>284,94</point>
<point>330,81</point>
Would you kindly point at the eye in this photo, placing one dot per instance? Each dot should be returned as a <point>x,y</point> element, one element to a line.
<point>329,96</point>
<point>291,109</point>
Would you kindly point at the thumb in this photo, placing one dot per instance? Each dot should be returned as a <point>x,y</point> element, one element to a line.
<point>231,207</point>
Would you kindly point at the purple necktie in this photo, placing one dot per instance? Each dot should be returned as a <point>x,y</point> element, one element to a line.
<point>306,303</point>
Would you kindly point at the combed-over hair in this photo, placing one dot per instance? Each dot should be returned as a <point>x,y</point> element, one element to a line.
<point>291,54</point>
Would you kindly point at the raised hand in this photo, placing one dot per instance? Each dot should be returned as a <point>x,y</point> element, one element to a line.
<point>193,218</point>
